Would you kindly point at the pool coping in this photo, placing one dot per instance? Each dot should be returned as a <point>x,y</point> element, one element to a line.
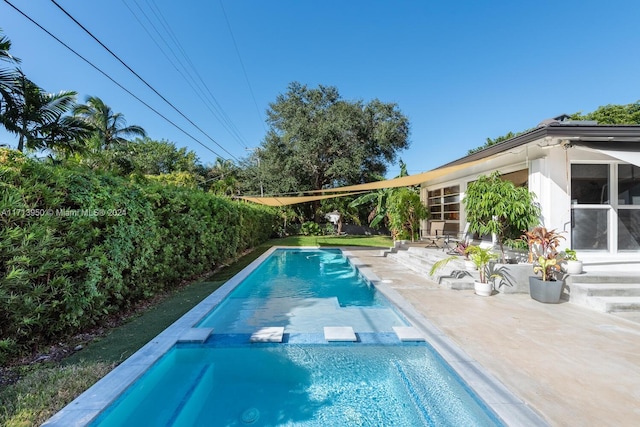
<point>88,405</point>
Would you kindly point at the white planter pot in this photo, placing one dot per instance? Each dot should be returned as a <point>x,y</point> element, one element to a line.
<point>572,267</point>
<point>483,289</point>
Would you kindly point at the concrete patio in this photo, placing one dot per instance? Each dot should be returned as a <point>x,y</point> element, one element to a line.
<point>573,365</point>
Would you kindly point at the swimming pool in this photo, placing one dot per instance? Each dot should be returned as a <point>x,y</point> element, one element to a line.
<point>304,291</point>
<point>206,371</point>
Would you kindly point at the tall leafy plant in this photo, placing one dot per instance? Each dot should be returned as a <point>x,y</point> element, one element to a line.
<point>405,210</point>
<point>496,206</point>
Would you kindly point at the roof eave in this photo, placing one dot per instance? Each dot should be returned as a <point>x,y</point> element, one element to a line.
<point>574,132</point>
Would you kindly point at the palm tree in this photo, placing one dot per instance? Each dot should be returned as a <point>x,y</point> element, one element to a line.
<point>66,135</point>
<point>8,77</point>
<point>110,128</point>
<point>37,117</point>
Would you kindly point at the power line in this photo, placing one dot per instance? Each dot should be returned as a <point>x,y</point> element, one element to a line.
<point>110,78</point>
<point>180,67</point>
<point>141,79</point>
<point>231,126</point>
<point>244,71</point>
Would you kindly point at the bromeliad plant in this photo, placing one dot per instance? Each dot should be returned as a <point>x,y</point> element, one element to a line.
<point>543,249</point>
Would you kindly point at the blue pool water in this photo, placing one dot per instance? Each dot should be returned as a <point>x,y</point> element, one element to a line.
<point>304,291</point>
<point>304,381</point>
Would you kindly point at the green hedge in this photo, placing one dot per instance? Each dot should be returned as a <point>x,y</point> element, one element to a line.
<point>77,245</point>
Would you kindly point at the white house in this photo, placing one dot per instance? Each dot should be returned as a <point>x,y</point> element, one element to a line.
<point>586,177</point>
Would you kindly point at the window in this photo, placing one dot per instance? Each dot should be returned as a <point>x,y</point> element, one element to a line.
<point>590,184</point>
<point>629,230</point>
<point>628,207</point>
<point>605,207</point>
<point>444,204</point>
<point>628,185</point>
<point>589,229</point>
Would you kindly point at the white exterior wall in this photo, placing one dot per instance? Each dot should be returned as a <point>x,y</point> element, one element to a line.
<point>549,180</point>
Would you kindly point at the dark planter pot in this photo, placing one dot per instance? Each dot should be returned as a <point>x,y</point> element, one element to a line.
<point>547,292</point>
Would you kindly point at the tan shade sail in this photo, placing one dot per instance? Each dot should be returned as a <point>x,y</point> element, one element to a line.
<point>349,190</point>
<point>285,201</point>
<point>404,181</point>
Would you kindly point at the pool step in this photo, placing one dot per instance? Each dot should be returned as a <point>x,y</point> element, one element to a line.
<point>268,334</point>
<point>195,335</point>
<point>408,333</point>
<point>339,333</point>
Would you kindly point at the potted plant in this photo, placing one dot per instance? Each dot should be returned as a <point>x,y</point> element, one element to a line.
<point>571,263</point>
<point>543,244</point>
<point>482,258</point>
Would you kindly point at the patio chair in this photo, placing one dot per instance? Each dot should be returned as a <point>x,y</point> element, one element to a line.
<point>436,237</point>
<point>463,236</point>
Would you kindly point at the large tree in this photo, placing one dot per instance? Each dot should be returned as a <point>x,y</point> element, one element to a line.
<point>318,140</point>
<point>150,157</point>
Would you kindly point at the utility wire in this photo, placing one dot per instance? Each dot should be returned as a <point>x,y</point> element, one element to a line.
<point>176,62</point>
<point>111,79</point>
<point>231,126</point>
<point>244,71</point>
<point>141,79</point>
<point>217,110</point>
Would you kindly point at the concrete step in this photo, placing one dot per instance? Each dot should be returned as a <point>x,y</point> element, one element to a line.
<point>602,278</point>
<point>616,304</point>
<point>607,293</point>
<point>607,289</point>
<point>453,275</point>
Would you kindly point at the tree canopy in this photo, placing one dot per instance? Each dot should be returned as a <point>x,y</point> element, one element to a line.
<point>611,114</point>
<point>318,140</point>
<point>493,141</point>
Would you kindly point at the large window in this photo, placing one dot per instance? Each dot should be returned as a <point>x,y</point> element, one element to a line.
<point>444,204</point>
<point>605,207</point>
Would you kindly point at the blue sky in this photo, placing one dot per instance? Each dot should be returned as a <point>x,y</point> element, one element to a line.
<point>461,71</point>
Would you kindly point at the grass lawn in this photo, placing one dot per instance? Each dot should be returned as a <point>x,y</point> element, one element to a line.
<point>44,388</point>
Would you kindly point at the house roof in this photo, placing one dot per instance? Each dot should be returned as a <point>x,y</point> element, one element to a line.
<point>574,131</point>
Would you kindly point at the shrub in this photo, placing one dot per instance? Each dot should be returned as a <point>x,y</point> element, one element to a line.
<point>310,228</point>
<point>77,245</point>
